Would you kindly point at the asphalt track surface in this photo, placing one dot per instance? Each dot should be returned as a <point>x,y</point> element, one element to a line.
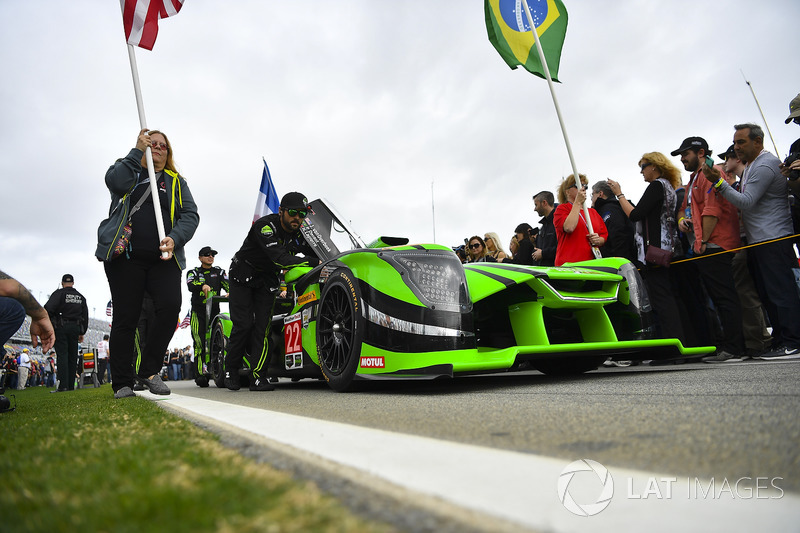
<point>688,447</point>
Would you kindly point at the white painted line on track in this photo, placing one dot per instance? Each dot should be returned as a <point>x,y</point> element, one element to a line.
<point>516,487</point>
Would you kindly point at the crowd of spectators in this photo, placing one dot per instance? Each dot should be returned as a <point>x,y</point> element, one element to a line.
<point>716,253</point>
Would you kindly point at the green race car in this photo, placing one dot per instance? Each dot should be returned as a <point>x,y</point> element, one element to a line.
<point>390,310</point>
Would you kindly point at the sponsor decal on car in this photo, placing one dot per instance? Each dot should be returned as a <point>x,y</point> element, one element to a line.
<point>372,362</point>
<point>307,298</point>
<point>293,340</point>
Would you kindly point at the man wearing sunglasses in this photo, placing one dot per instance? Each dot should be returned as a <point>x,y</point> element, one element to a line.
<point>271,245</point>
<point>203,281</point>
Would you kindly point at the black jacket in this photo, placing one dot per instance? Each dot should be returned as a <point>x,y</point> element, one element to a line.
<point>620,241</point>
<point>214,277</point>
<point>547,240</point>
<point>267,250</point>
<point>66,305</point>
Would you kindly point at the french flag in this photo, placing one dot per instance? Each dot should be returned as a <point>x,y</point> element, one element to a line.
<point>267,197</point>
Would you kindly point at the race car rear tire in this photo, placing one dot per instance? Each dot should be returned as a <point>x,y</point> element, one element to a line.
<point>340,330</point>
<point>216,356</point>
<point>568,366</point>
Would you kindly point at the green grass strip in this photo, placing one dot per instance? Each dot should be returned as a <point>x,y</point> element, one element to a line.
<point>82,461</point>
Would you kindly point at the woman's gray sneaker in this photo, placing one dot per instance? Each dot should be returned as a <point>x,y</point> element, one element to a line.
<point>155,384</point>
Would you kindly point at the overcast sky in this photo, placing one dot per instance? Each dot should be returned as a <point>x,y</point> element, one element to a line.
<point>376,106</point>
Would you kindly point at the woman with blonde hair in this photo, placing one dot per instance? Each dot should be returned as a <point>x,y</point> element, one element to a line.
<point>575,243</point>
<point>654,216</point>
<point>494,247</point>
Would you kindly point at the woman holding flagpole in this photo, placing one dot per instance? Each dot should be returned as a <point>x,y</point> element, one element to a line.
<point>137,261</point>
<point>575,242</point>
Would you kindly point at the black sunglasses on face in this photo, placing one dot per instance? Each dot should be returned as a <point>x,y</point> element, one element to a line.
<point>297,213</point>
<point>475,246</point>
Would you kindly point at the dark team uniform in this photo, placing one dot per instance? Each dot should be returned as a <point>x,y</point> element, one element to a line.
<point>217,279</point>
<point>254,274</point>
<point>70,317</point>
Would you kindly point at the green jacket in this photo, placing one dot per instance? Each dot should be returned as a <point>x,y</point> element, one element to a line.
<point>121,179</point>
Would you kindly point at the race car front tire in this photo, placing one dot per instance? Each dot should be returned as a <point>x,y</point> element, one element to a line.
<point>340,329</point>
<point>216,356</point>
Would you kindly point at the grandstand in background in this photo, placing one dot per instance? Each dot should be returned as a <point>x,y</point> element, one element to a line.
<point>22,338</point>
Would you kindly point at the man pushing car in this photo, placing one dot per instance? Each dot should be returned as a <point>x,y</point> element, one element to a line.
<point>271,246</point>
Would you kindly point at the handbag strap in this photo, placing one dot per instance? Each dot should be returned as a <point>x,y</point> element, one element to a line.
<point>139,204</point>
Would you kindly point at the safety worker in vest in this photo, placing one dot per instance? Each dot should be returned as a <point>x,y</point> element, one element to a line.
<point>204,282</point>
<point>271,246</point>
<point>70,317</point>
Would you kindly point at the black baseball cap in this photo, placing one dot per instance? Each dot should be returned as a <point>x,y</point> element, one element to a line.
<point>728,153</point>
<point>294,200</point>
<point>207,250</point>
<point>67,278</point>
<point>692,143</point>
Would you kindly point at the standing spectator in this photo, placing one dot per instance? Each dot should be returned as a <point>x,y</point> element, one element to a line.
<point>204,282</point>
<point>23,369</point>
<point>174,371</point>
<point>102,359</point>
<point>792,170</point>
<point>494,247</point>
<point>620,228</point>
<point>477,251</point>
<point>764,203</point>
<point>521,246</point>
<point>10,366</point>
<point>757,339</point>
<point>270,246</point>
<point>575,243</point>
<point>70,314</point>
<point>655,224</point>
<point>140,266</point>
<point>16,302</point>
<point>544,251</point>
<point>712,226</point>
<point>50,371</point>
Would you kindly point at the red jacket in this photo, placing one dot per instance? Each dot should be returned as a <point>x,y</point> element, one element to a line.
<point>575,246</point>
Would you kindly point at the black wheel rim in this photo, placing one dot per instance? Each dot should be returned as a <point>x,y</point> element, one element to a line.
<point>336,330</point>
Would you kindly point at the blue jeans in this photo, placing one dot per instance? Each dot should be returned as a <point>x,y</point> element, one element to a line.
<point>12,315</point>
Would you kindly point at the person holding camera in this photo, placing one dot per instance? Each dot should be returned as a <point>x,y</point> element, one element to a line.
<point>791,165</point>
<point>712,226</point>
<point>764,202</point>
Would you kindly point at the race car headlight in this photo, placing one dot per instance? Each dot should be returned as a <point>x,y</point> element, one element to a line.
<point>636,288</point>
<point>435,277</point>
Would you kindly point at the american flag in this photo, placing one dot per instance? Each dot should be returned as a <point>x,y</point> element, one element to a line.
<point>140,19</point>
<point>186,321</point>
<point>108,308</point>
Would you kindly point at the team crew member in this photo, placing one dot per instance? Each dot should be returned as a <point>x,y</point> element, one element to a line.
<point>201,281</point>
<point>138,266</point>
<point>270,246</point>
<point>70,316</point>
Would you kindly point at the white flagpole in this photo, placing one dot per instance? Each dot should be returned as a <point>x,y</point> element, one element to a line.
<point>148,153</point>
<point>546,70</point>
<point>762,114</point>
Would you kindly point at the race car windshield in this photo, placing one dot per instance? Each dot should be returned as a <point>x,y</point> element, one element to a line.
<point>326,232</point>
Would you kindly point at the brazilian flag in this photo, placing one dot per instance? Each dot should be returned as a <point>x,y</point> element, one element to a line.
<point>510,32</point>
